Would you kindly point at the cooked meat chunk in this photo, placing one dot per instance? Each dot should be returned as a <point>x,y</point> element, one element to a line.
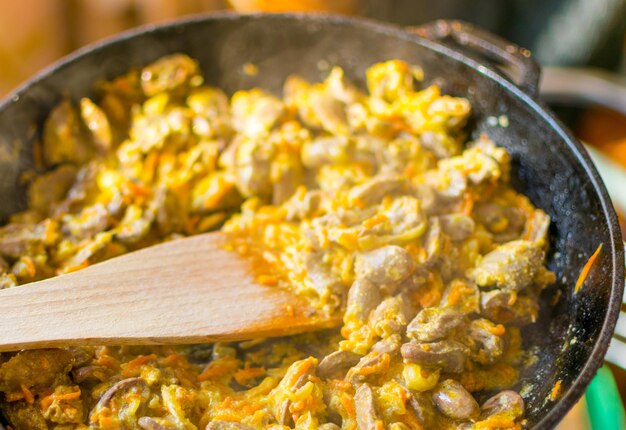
<point>391,316</point>
<point>507,307</point>
<point>18,239</point>
<point>388,345</point>
<point>24,416</point>
<point>454,401</point>
<point>511,266</point>
<point>363,298</point>
<point>35,368</point>
<point>324,281</point>
<point>367,417</point>
<point>504,403</point>
<point>388,264</point>
<point>435,323</point>
<point>505,223</point>
<point>49,188</point>
<point>457,226</point>
<point>337,364</point>
<point>173,73</point>
<point>122,386</point>
<point>450,355</point>
<point>422,406</point>
<point>487,341</point>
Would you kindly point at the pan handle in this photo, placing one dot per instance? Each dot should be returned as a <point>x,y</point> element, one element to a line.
<point>517,63</point>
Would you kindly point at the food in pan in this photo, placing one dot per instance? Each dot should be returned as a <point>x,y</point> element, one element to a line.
<point>372,205</point>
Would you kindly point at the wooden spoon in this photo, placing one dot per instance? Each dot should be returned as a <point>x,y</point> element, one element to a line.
<point>189,290</point>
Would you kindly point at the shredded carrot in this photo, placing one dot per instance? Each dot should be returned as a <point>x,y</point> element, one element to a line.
<point>497,330</point>
<point>218,368</point>
<point>173,359</point>
<point>428,296</point>
<point>75,267</point>
<point>142,359</point>
<point>586,269</point>
<point>267,279</point>
<point>340,384</point>
<point>47,401</point>
<point>556,390</point>
<point>28,395</point>
<point>242,376</point>
<point>347,401</point>
<point>132,367</point>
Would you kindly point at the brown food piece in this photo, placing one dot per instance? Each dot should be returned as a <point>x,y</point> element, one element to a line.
<point>462,295</point>
<point>450,355</point>
<point>507,308</point>
<point>422,406</point>
<point>35,368</point>
<point>123,385</point>
<point>457,226</point>
<point>65,138</point>
<point>18,239</point>
<point>454,401</point>
<point>49,188</point>
<point>384,265</point>
<point>511,266</point>
<point>172,73</point>
<point>391,316</point>
<point>486,347</point>
<point>506,402</point>
<point>363,297</point>
<point>435,323</point>
<point>24,416</point>
<point>366,415</point>
<point>337,364</point>
<point>324,281</point>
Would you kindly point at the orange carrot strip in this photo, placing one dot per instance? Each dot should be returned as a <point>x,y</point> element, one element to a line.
<point>142,359</point>
<point>556,390</point>
<point>586,269</point>
<point>244,375</point>
<point>47,401</point>
<point>28,395</point>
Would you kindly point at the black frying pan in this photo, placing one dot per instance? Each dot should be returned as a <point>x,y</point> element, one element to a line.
<point>549,165</point>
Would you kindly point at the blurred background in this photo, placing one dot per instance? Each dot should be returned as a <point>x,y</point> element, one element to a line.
<point>559,32</point>
<point>580,43</point>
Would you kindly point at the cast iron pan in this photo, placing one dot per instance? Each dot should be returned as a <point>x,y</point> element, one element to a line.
<point>549,165</point>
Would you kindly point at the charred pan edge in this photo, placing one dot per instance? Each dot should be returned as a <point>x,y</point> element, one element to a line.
<point>616,246</point>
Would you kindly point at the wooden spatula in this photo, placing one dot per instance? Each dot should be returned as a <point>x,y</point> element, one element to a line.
<point>189,290</point>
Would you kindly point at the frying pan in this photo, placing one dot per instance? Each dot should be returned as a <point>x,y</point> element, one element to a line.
<point>500,80</point>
